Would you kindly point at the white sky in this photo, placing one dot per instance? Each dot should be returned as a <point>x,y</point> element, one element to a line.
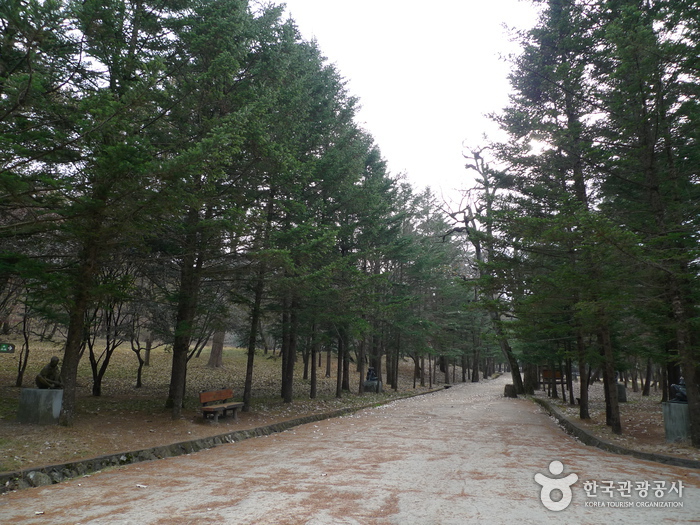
<point>425,74</point>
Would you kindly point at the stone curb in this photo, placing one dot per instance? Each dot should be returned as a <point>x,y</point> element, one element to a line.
<point>41,476</point>
<point>589,439</point>
<point>51,474</point>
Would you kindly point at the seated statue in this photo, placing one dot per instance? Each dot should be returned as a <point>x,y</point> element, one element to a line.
<point>50,376</point>
<point>371,374</point>
<point>679,393</point>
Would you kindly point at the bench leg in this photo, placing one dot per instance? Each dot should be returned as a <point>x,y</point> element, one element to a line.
<point>234,413</point>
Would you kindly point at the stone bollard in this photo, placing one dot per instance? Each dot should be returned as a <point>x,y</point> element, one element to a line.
<point>373,386</point>
<point>40,406</point>
<point>621,393</point>
<point>676,421</point>
<point>509,391</point>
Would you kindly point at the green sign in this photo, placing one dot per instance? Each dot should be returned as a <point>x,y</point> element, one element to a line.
<point>7,348</point>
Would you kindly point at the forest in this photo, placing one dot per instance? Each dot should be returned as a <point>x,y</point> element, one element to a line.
<point>172,171</point>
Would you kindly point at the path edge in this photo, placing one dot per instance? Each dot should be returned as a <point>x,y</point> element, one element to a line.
<point>589,439</point>
<point>52,474</point>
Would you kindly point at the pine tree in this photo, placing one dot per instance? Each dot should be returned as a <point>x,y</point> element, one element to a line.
<point>650,187</point>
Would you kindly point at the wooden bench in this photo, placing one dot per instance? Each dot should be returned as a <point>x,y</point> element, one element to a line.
<point>216,403</point>
<point>551,376</point>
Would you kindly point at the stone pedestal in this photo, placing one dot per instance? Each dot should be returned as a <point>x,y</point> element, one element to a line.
<point>676,421</point>
<point>373,386</point>
<point>39,406</point>
<point>621,393</point>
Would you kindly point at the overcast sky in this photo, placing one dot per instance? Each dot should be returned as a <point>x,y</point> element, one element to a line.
<point>425,73</point>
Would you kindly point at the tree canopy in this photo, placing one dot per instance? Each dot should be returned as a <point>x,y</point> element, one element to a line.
<point>593,208</point>
<point>196,167</point>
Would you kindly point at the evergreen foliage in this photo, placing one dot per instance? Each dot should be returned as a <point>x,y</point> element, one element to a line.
<point>596,216</point>
<point>169,170</point>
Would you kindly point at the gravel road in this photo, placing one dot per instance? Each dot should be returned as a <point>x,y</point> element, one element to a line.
<point>458,456</point>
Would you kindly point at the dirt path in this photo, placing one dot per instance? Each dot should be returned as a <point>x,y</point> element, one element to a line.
<point>463,455</point>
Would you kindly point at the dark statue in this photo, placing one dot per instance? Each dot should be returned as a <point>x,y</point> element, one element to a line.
<point>372,382</point>
<point>371,374</point>
<point>50,375</point>
<point>679,393</point>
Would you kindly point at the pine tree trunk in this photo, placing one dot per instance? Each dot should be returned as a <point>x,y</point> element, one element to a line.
<point>339,371</point>
<point>635,373</point>
<point>292,354</point>
<point>530,381</point>
<point>147,350</point>
<point>570,381</point>
<point>184,320</point>
<point>430,371</point>
<point>648,377</point>
<point>583,412</point>
<point>314,351</point>
<point>553,381</point>
<point>346,368</point>
<point>255,313</point>
<point>361,367</point>
<point>344,363</point>
<point>76,325</point>
<point>139,370</point>
<point>23,357</point>
<point>396,356</point>
<point>216,357</point>
<point>615,421</point>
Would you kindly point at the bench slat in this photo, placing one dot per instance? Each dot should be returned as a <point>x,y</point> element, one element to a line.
<point>215,395</point>
<point>222,406</point>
